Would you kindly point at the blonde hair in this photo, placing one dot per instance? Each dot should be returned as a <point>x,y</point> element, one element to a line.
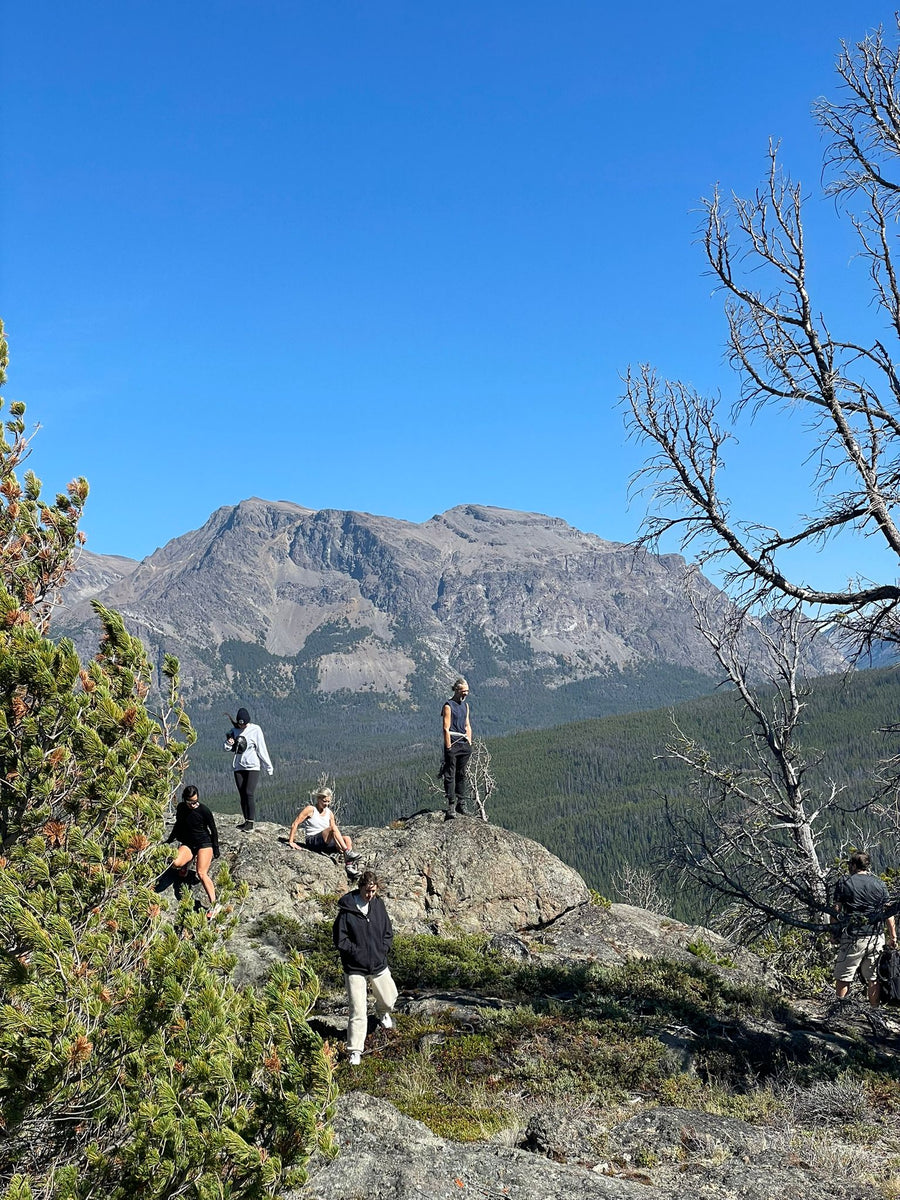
<point>459,682</point>
<point>323,792</point>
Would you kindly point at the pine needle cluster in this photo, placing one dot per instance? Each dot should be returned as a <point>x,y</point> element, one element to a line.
<point>130,1064</point>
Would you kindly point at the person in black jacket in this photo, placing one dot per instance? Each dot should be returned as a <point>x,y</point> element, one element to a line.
<point>195,830</point>
<point>363,934</point>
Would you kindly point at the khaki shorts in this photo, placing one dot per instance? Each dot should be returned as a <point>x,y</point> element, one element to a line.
<point>858,954</point>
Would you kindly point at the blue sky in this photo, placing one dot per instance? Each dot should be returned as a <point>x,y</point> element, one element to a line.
<point>386,256</point>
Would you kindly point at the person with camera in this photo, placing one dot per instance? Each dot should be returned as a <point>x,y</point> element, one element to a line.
<point>247,743</point>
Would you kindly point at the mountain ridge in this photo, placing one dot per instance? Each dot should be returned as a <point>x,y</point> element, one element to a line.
<point>280,603</point>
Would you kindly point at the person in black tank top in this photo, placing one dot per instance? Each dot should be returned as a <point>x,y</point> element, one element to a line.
<point>195,830</point>
<point>457,734</point>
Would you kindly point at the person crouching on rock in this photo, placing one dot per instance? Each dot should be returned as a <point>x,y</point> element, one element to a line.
<point>195,829</point>
<point>363,935</point>
<point>320,829</point>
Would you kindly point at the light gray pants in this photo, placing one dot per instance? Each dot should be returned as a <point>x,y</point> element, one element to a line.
<point>385,992</point>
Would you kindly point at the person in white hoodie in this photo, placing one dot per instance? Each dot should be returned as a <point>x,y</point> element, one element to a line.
<point>248,744</point>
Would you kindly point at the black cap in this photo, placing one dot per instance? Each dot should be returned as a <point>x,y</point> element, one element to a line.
<point>243,717</point>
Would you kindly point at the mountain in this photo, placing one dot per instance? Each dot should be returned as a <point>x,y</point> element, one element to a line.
<point>302,614</point>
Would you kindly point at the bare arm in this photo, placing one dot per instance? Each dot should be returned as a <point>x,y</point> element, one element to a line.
<point>301,817</point>
<point>468,725</point>
<point>446,715</point>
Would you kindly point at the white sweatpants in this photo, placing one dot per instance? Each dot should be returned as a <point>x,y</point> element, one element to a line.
<point>385,992</point>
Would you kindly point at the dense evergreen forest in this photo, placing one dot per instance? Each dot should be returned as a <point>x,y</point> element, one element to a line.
<point>594,791</point>
<point>348,731</point>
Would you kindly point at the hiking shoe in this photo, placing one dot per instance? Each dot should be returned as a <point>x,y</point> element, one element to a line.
<point>450,814</point>
<point>355,1058</point>
<point>247,827</point>
<point>353,871</point>
<point>351,856</point>
<point>461,809</point>
<point>387,1021</point>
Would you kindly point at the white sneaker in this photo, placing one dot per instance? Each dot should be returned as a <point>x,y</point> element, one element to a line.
<point>355,1058</point>
<point>387,1021</point>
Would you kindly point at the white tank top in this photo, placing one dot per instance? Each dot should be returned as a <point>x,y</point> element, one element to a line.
<point>316,822</point>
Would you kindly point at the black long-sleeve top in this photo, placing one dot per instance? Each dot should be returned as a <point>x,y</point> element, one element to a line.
<point>195,827</point>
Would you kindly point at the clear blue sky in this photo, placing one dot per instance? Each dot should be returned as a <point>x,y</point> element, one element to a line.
<point>380,255</point>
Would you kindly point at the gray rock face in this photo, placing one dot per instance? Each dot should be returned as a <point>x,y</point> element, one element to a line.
<point>359,599</point>
<point>620,933</point>
<point>385,1155</point>
<point>437,877</point>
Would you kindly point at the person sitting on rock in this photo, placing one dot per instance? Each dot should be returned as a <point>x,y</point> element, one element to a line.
<point>195,830</point>
<point>320,829</point>
<point>363,935</point>
<point>861,899</point>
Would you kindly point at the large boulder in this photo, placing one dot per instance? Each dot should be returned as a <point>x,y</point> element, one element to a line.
<point>437,876</point>
<point>614,934</point>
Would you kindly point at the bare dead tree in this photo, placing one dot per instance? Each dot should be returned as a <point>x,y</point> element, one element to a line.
<point>785,354</point>
<point>639,886</point>
<point>755,839</point>
<point>479,773</point>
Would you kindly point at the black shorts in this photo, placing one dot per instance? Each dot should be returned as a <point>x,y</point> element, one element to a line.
<point>202,846</point>
<point>318,844</point>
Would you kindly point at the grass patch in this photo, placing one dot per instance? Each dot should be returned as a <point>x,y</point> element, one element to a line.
<point>576,1034</point>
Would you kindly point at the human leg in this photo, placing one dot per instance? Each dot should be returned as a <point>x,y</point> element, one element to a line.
<point>868,968</point>
<point>204,860</point>
<point>449,776</point>
<point>385,992</point>
<point>463,754</point>
<point>240,784</point>
<point>356,1025</point>
<point>170,875</point>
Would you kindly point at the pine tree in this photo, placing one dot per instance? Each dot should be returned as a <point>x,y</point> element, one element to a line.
<point>129,1062</point>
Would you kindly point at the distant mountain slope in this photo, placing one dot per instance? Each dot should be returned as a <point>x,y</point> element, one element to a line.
<point>307,616</point>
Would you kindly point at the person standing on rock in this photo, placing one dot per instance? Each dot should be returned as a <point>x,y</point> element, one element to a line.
<point>248,744</point>
<point>457,732</point>
<point>861,899</point>
<point>363,935</point>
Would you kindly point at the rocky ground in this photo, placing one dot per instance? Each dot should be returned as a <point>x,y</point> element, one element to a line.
<point>553,1044</point>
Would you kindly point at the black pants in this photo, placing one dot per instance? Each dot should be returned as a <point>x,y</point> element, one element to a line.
<point>456,759</point>
<point>246,785</point>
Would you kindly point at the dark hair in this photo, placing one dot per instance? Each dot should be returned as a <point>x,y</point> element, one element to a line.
<point>190,793</point>
<point>859,861</point>
<point>366,880</point>
<point>243,718</point>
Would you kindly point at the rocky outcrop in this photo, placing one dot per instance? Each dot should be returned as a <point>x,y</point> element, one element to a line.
<point>660,1154</point>
<point>617,933</point>
<point>385,1155</point>
<point>437,877</point>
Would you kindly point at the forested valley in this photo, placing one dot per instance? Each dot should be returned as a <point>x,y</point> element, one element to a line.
<point>595,792</point>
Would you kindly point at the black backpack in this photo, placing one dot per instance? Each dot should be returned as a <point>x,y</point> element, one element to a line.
<point>889,977</point>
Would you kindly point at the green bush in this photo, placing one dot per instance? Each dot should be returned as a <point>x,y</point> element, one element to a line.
<point>130,1065</point>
